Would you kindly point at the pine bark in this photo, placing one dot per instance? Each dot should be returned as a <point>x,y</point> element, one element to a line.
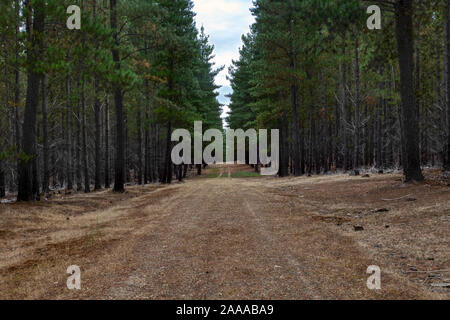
<point>119,177</point>
<point>295,122</point>
<point>98,130</point>
<point>35,29</point>
<point>139,147</point>
<point>356,106</point>
<point>2,180</point>
<point>69,163</point>
<point>98,161</point>
<point>447,85</point>
<point>46,149</point>
<point>106,155</point>
<point>345,164</point>
<point>405,43</point>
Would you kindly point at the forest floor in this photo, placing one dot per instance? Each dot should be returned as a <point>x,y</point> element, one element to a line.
<point>231,235</point>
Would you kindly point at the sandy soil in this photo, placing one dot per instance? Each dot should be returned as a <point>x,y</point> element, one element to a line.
<point>221,237</point>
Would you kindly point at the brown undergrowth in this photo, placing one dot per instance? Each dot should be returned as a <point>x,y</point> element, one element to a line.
<point>214,238</point>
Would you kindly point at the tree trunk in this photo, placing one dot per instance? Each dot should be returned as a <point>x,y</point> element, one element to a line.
<point>128,164</point>
<point>34,53</point>
<point>98,161</point>
<point>17,79</point>
<point>87,187</point>
<point>295,122</point>
<point>98,130</point>
<point>405,43</point>
<point>78,147</point>
<point>147,149</point>
<point>2,180</point>
<point>119,178</point>
<point>107,169</point>
<point>167,176</point>
<point>35,170</point>
<point>344,110</point>
<point>357,120</point>
<point>284,149</point>
<point>46,173</point>
<point>447,85</point>
<point>378,124</point>
<point>156,160</point>
<point>139,147</point>
<point>69,164</point>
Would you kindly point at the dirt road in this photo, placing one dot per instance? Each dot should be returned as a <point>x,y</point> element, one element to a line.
<point>241,238</point>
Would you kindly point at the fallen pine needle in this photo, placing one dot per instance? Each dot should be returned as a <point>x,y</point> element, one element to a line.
<point>431,271</point>
<point>397,198</point>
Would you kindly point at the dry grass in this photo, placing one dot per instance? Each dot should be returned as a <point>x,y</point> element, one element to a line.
<point>243,238</point>
<point>40,240</point>
<point>406,227</point>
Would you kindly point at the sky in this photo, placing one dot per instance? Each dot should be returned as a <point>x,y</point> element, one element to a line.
<point>225,21</point>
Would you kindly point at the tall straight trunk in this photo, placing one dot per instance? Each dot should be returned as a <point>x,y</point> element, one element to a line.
<point>336,155</point>
<point>62,160</point>
<point>97,160</point>
<point>405,44</point>
<point>46,151</point>
<point>119,178</point>
<point>78,147</point>
<point>54,182</point>
<point>316,139</point>
<point>344,110</point>
<point>17,79</point>
<point>151,140</point>
<point>284,150</point>
<point>2,180</point>
<point>16,108</point>
<point>128,164</point>
<point>6,96</point>
<point>447,84</point>
<point>147,149</point>
<point>302,150</point>
<point>389,155</point>
<point>366,135</point>
<point>295,122</point>
<point>438,108</point>
<point>69,165</point>
<point>418,99</point>
<point>87,187</point>
<point>107,169</point>
<point>378,135</point>
<point>156,146</point>
<point>35,28</point>
<point>356,106</point>
<point>167,176</point>
<point>324,125</point>
<point>139,147</point>
<point>312,132</point>
<point>35,170</point>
